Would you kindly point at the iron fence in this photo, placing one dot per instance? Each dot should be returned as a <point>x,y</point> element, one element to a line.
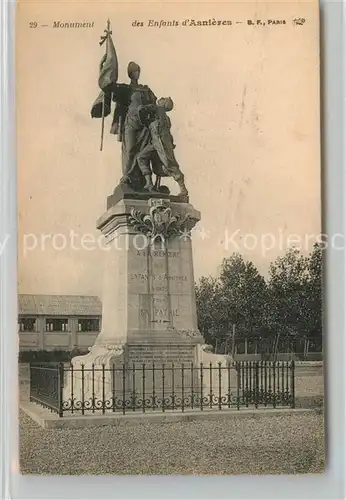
<point>46,385</point>
<point>166,387</point>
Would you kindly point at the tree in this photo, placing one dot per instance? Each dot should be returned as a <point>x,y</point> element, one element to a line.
<point>289,304</point>
<point>288,294</point>
<point>315,293</point>
<point>209,308</point>
<point>237,297</point>
<point>244,292</point>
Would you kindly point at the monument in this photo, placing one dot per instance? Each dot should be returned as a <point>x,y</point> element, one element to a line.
<point>148,301</point>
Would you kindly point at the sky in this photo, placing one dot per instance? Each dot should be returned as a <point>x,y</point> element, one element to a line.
<point>245,122</point>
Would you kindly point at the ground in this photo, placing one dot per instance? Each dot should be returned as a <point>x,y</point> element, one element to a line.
<point>288,444</point>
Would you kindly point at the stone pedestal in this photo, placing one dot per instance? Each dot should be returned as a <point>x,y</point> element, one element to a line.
<point>148,305</point>
<point>148,294</point>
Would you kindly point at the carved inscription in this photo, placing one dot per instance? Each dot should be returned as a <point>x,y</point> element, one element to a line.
<point>159,277</point>
<point>165,312</point>
<point>159,300</point>
<point>158,271</point>
<point>139,276</point>
<point>158,253</point>
<point>161,354</point>
<point>159,314</point>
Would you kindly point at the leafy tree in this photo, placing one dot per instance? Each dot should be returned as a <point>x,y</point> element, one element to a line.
<point>315,293</point>
<point>244,292</point>
<point>209,308</point>
<point>287,293</point>
<point>237,297</point>
<point>295,293</point>
<point>288,304</point>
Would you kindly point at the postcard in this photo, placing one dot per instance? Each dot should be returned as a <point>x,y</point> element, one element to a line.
<point>170,242</point>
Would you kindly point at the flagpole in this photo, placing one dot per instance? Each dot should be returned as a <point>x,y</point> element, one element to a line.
<point>103,122</point>
<point>104,38</point>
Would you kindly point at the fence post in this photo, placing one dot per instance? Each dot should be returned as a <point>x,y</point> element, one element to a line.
<point>201,386</point>
<point>113,387</point>
<point>103,389</point>
<point>83,402</point>
<point>293,401</point>
<point>133,387</point>
<point>31,380</point>
<point>143,387</point>
<point>247,383</point>
<point>237,365</point>
<point>229,385</point>
<point>220,382</point>
<point>256,384</point>
<point>61,387</point>
<point>153,387</point>
<point>182,387</point>
<point>72,388</point>
<point>274,384</point>
<point>173,393</point>
<point>192,392</point>
<point>210,385</point>
<point>123,404</point>
<point>163,387</point>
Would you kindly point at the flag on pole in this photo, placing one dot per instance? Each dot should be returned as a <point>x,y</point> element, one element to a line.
<point>101,107</point>
<point>107,78</point>
<point>103,101</point>
<point>109,68</point>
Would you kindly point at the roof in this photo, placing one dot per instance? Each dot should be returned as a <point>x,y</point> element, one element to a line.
<point>59,305</point>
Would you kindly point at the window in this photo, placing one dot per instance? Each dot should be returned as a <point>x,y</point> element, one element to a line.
<point>56,325</point>
<point>27,324</point>
<point>89,325</point>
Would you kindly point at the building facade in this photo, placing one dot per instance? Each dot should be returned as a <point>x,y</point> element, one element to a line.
<point>63,322</point>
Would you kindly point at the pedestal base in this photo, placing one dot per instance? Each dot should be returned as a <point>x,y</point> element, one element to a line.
<point>149,350</point>
<point>123,191</point>
<point>154,375</point>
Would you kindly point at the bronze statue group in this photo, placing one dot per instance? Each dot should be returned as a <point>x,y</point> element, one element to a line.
<point>142,125</point>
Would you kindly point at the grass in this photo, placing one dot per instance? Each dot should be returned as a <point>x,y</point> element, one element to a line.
<point>280,444</point>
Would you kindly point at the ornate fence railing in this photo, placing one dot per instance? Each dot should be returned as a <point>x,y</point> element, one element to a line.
<point>132,388</point>
<point>46,385</point>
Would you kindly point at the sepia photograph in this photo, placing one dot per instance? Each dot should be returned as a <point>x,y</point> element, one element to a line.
<point>170,243</point>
